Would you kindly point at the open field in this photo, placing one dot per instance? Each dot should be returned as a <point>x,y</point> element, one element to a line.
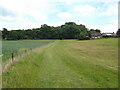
<point>19,47</point>
<point>67,64</point>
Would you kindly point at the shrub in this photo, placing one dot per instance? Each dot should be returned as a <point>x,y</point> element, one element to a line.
<point>85,38</point>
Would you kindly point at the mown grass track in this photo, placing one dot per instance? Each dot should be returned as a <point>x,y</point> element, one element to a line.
<point>67,64</point>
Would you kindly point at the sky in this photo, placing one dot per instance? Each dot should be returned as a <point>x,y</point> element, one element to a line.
<point>28,14</point>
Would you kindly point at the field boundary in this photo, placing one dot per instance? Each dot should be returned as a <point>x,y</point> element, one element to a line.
<point>11,61</point>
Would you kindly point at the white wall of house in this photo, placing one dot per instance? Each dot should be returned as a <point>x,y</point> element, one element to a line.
<point>96,37</point>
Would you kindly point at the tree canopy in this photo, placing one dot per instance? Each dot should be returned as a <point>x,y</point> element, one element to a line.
<point>69,30</point>
<point>118,32</point>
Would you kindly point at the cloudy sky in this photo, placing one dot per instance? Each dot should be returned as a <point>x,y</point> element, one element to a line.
<point>24,14</point>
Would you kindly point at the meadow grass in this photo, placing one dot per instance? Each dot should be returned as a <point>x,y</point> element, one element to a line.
<point>67,64</point>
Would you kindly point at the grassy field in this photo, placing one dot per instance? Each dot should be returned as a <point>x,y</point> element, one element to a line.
<point>19,47</point>
<point>67,64</point>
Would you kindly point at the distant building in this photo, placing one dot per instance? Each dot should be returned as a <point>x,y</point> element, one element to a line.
<point>95,35</point>
<point>108,34</point>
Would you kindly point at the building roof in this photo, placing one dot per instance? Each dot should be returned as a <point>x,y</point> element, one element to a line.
<point>108,33</point>
<point>96,34</point>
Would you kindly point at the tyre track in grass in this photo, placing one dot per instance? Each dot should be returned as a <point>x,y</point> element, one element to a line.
<point>55,74</point>
<point>56,66</point>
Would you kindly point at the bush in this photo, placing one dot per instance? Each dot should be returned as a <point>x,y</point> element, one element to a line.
<point>83,38</point>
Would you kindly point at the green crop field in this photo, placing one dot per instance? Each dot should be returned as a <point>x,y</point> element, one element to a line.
<point>19,47</point>
<point>67,64</point>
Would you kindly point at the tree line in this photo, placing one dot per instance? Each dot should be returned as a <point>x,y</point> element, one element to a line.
<point>69,30</point>
<point>118,32</point>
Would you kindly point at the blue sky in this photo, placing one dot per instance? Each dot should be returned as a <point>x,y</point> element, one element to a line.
<point>25,14</point>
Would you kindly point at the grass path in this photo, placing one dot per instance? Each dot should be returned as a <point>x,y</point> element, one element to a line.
<point>64,64</point>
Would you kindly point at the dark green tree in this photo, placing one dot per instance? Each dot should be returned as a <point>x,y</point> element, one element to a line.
<point>4,33</point>
<point>69,30</point>
<point>118,32</point>
<point>46,32</point>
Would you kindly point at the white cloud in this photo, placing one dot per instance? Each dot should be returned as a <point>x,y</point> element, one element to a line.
<point>112,10</point>
<point>69,1</point>
<point>85,10</point>
<point>40,12</point>
<point>56,23</point>
<point>37,9</point>
<point>17,25</point>
<point>38,15</point>
<point>64,15</point>
<point>105,28</point>
<point>109,28</point>
<point>110,1</point>
<point>7,18</point>
<point>88,1</point>
<point>106,1</point>
<point>17,6</point>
